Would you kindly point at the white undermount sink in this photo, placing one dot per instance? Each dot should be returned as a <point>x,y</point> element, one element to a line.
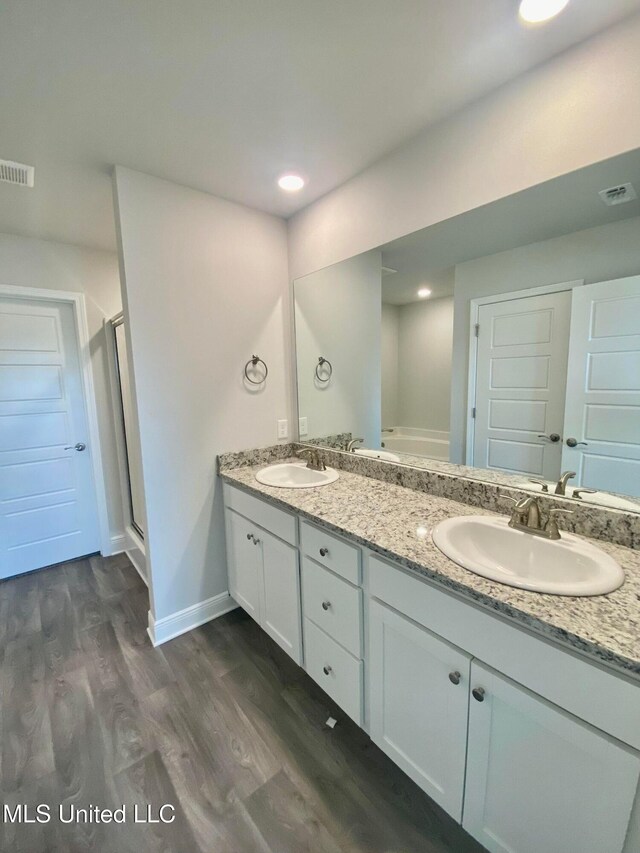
<point>295,475</point>
<point>488,547</point>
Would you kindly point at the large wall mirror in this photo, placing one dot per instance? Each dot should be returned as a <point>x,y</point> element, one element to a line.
<point>502,344</point>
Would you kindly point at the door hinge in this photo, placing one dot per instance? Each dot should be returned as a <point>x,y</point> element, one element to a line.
<point>477,328</point>
<point>473,413</point>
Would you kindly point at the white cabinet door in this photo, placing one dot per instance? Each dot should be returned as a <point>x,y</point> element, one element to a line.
<point>539,779</point>
<point>281,594</point>
<point>418,713</point>
<point>603,387</point>
<point>520,384</point>
<point>244,560</point>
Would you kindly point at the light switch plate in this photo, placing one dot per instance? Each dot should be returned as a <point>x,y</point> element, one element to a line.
<point>302,426</point>
<point>283,429</point>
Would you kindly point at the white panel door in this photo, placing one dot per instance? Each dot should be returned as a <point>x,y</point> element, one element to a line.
<point>603,387</point>
<point>48,510</point>
<point>281,594</point>
<point>244,563</point>
<point>539,779</point>
<point>520,384</point>
<point>419,689</point>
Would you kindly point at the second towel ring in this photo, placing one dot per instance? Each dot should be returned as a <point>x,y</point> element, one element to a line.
<point>322,362</point>
<point>254,360</point>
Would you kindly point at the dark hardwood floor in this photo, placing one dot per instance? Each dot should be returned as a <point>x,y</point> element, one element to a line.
<point>218,723</point>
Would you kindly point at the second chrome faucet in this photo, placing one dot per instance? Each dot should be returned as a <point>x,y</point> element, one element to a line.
<point>527,517</point>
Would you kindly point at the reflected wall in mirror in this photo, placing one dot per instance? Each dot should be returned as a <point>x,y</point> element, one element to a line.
<point>503,344</point>
<point>337,318</point>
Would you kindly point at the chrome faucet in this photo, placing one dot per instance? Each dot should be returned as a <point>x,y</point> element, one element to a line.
<point>561,485</point>
<point>314,460</point>
<point>527,517</point>
<point>526,514</point>
<point>351,444</point>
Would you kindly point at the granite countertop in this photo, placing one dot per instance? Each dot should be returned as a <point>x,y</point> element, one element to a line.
<point>396,522</point>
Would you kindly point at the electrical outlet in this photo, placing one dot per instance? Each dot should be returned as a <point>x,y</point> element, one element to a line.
<point>302,426</point>
<point>283,429</point>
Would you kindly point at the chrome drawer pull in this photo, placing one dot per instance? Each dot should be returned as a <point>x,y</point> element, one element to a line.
<point>324,552</point>
<point>327,670</point>
<point>326,605</point>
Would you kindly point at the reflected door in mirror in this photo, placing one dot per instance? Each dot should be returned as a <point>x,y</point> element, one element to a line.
<point>520,384</point>
<point>603,387</point>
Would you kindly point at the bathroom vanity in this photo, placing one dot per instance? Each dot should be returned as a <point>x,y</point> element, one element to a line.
<point>459,680</point>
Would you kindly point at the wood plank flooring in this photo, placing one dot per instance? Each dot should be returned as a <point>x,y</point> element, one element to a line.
<point>218,723</point>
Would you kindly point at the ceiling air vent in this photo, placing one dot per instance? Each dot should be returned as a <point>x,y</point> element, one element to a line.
<point>618,195</point>
<point>17,173</point>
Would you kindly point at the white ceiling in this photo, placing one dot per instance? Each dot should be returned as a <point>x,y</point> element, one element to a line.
<point>402,288</point>
<point>562,206</point>
<point>224,95</point>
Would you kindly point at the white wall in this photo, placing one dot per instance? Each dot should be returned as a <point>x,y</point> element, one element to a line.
<point>389,357</point>
<point>571,112</point>
<point>37,263</point>
<point>595,254</point>
<point>205,287</point>
<point>425,338</point>
<point>338,317</point>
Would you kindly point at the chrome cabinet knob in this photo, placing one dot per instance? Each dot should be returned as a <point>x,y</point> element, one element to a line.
<point>324,552</point>
<point>326,605</point>
<point>256,541</point>
<point>249,537</point>
<point>327,670</point>
<point>573,442</point>
<point>454,677</point>
<point>478,694</point>
<point>79,447</point>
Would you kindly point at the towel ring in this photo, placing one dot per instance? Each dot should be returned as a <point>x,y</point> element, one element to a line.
<point>328,370</point>
<point>254,360</point>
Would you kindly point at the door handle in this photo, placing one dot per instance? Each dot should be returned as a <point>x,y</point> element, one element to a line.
<point>552,437</point>
<point>79,447</point>
<point>573,442</point>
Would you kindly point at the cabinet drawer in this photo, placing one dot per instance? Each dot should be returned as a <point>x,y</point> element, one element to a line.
<point>337,555</point>
<point>276,521</point>
<point>335,670</point>
<point>333,604</point>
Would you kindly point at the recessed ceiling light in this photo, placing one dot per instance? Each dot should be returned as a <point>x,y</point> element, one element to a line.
<point>537,11</point>
<point>424,292</point>
<point>290,183</point>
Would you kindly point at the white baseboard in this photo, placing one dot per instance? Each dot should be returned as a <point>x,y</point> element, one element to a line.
<point>161,630</point>
<point>118,545</point>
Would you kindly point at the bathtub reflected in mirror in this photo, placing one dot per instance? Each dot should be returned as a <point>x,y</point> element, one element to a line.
<point>423,443</point>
